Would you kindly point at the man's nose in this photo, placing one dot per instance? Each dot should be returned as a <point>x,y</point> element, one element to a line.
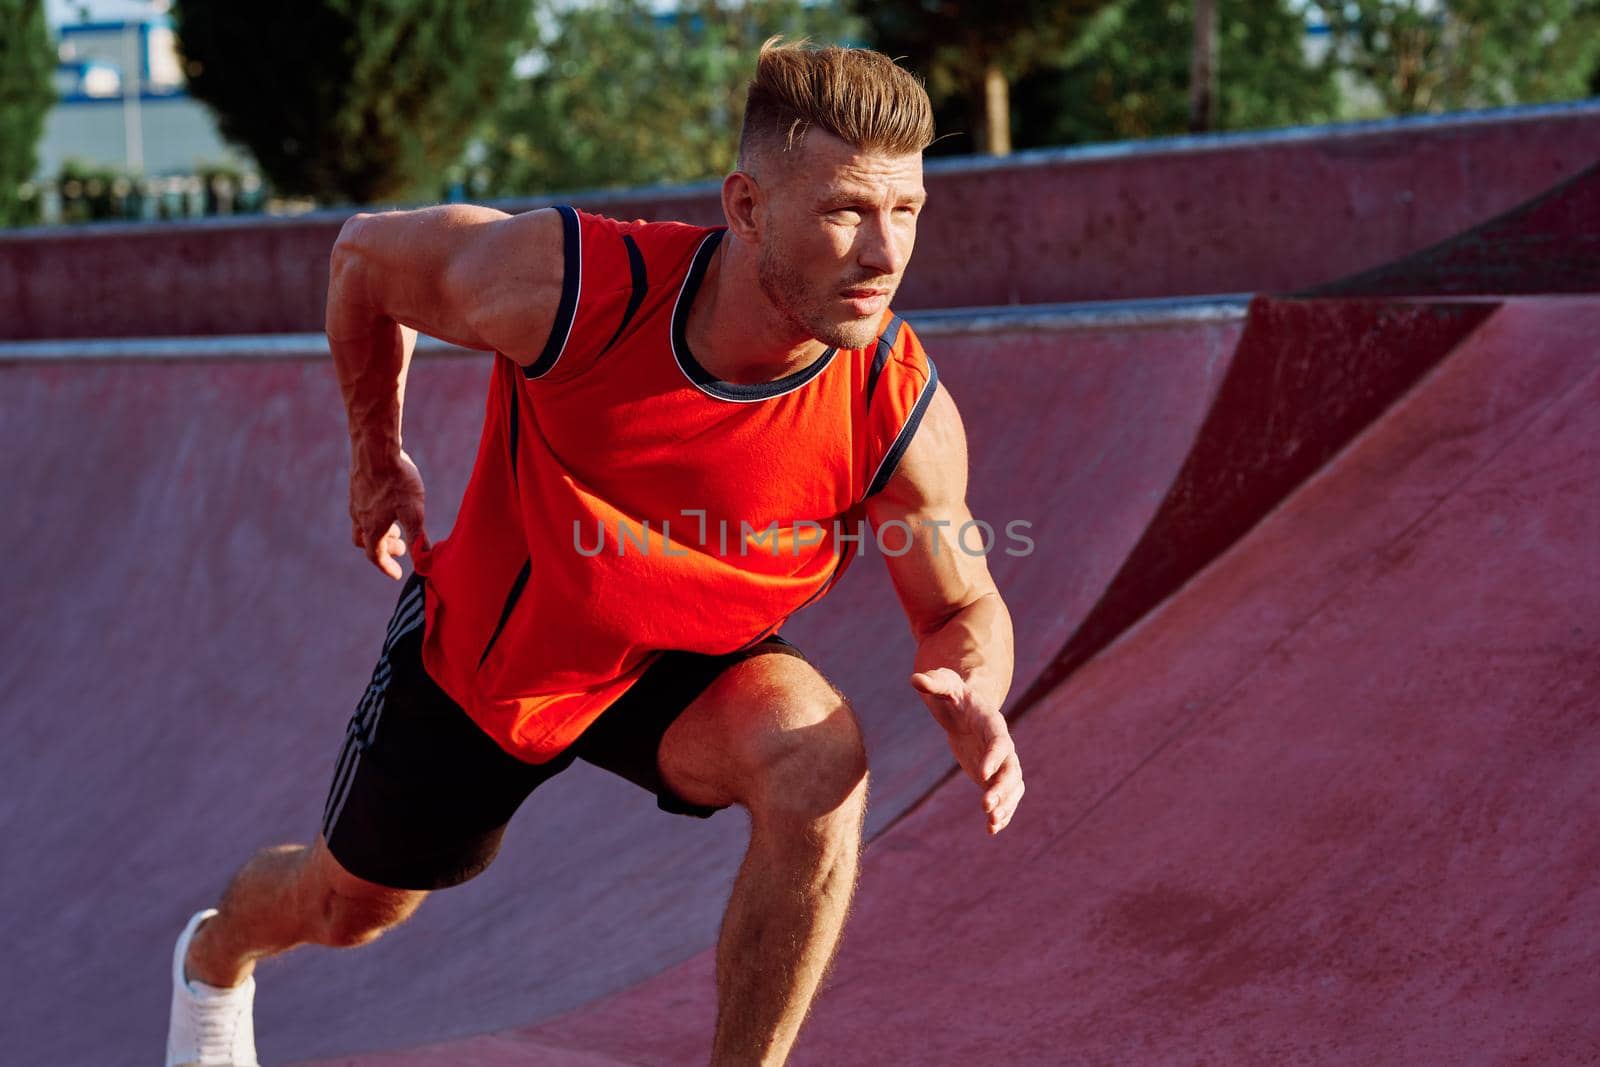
<point>880,250</point>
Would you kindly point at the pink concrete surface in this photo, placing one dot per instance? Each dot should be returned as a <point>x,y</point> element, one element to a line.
<point>1549,245</point>
<point>1306,376</point>
<point>1331,804</point>
<point>1231,213</point>
<point>191,630</point>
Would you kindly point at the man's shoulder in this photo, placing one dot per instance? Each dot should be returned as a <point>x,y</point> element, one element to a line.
<point>651,237</point>
<point>618,274</point>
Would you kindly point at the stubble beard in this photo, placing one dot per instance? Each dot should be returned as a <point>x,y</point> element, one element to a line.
<point>805,309</point>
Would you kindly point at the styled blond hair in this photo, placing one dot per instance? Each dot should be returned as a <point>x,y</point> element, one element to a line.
<point>860,96</point>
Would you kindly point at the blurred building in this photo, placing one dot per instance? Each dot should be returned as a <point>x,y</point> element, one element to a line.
<point>123,104</point>
<point>123,108</point>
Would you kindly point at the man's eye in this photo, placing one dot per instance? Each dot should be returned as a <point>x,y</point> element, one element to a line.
<point>847,215</point>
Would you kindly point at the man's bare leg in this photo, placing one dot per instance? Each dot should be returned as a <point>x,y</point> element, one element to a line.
<point>773,736</point>
<point>780,931</point>
<point>286,896</point>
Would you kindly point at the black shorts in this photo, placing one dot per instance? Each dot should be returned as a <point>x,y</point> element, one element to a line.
<point>421,795</point>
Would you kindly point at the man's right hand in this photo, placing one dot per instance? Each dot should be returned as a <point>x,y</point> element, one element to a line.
<point>386,501</point>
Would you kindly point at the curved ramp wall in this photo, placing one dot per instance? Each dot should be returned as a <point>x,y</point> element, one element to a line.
<point>1229,213</point>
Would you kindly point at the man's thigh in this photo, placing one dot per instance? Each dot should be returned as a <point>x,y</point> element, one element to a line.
<point>761,714</point>
<point>627,738</point>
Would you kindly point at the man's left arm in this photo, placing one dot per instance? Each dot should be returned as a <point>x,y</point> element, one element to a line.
<point>963,631</point>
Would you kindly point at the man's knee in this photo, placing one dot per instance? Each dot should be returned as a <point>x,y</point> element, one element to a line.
<point>348,911</point>
<point>774,737</point>
<point>820,776</point>
<point>349,922</point>
<point>804,762</point>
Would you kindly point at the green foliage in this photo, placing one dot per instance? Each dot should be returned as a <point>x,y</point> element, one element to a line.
<point>1123,71</point>
<point>1440,55</point>
<point>1127,76</point>
<point>622,97</point>
<point>944,40</point>
<point>27,63</point>
<point>357,100</point>
<point>956,44</point>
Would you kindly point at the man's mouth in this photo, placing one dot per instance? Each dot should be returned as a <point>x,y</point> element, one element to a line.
<point>864,300</point>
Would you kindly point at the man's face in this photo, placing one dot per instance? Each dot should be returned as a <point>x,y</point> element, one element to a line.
<point>839,228</point>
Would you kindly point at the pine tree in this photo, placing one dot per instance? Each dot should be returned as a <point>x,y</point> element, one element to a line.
<point>352,100</point>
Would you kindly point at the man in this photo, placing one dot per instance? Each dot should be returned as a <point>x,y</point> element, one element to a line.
<point>681,425</point>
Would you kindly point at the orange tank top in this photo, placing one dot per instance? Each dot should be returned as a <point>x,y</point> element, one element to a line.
<point>624,501</point>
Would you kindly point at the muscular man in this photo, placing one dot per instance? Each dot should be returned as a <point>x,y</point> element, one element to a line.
<point>684,428</point>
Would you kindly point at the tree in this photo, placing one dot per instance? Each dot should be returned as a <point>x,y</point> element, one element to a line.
<point>1128,74</point>
<point>1203,67</point>
<point>1440,55</point>
<point>27,62</point>
<point>971,51</point>
<point>355,100</point>
<point>622,96</point>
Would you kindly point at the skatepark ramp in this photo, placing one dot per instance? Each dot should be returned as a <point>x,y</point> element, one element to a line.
<point>1305,696</point>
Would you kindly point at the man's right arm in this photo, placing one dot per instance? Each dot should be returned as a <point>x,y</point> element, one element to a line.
<point>472,276</point>
<point>469,275</point>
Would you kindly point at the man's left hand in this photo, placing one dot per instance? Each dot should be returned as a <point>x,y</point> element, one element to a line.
<point>978,737</point>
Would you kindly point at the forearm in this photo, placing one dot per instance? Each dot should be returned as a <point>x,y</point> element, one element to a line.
<point>975,642</point>
<point>371,356</point>
<point>372,377</point>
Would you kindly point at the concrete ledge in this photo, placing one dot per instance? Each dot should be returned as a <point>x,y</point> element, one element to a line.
<point>1260,212</point>
<point>1047,318</point>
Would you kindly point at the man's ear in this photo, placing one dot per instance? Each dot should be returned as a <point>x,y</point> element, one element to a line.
<point>743,201</point>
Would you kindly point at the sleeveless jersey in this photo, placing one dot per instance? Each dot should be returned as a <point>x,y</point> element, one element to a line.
<point>625,501</point>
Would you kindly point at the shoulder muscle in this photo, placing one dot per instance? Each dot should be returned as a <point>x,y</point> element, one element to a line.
<point>469,275</point>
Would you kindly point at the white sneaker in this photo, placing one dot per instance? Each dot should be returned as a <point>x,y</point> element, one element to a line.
<point>209,1027</point>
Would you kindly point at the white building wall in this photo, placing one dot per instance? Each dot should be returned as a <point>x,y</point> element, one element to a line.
<point>178,135</point>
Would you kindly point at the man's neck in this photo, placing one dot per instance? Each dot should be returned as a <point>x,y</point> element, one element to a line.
<point>734,331</point>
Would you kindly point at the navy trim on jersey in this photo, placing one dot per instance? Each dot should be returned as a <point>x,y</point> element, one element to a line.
<point>838,572</point>
<point>902,440</point>
<point>703,379</point>
<point>571,282</point>
<point>505,612</point>
<point>886,340</point>
<point>641,283</point>
<point>512,431</point>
